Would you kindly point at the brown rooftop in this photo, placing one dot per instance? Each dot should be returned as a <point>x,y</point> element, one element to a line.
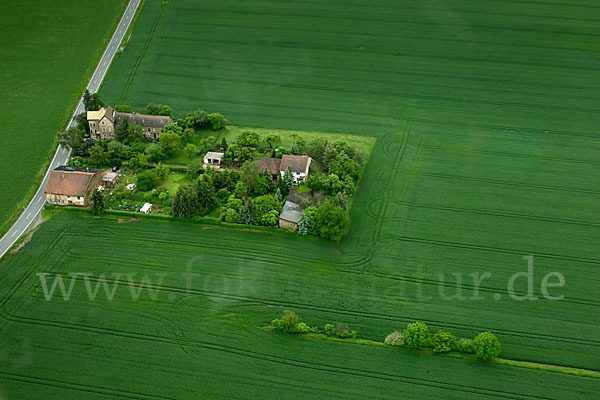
<point>270,164</point>
<point>296,164</point>
<point>70,182</point>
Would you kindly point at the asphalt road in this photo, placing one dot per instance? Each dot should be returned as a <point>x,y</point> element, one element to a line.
<point>34,208</point>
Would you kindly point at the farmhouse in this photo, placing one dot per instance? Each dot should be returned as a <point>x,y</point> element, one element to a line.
<point>72,186</point>
<point>213,158</point>
<point>270,164</point>
<point>298,165</point>
<point>102,123</point>
<point>290,215</point>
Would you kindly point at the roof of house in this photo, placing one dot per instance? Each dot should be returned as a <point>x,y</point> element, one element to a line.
<point>214,155</point>
<point>291,212</point>
<point>270,164</point>
<point>98,115</point>
<point>152,121</point>
<point>296,164</point>
<point>70,181</point>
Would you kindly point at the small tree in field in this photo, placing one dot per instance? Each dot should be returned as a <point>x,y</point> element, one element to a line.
<point>443,342</point>
<point>97,202</point>
<point>416,335</point>
<point>395,339</point>
<point>486,346</point>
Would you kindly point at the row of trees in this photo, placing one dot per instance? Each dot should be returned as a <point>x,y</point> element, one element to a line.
<point>485,345</point>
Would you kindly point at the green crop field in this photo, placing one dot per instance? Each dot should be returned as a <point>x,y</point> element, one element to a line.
<point>486,119</point>
<point>200,335</point>
<point>46,54</point>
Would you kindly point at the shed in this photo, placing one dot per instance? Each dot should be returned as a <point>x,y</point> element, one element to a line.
<point>213,158</point>
<point>290,216</point>
<point>146,208</point>
<point>110,179</point>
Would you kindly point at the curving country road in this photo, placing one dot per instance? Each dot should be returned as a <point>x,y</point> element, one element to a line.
<point>34,208</point>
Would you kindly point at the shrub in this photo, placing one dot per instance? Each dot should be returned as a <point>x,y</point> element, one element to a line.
<point>443,342</point>
<point>339,330</point>
<point>465,345</point>
<point>416,334</point>
<point>395,338</point>
<point>147,180</point>
<point>486,346</point>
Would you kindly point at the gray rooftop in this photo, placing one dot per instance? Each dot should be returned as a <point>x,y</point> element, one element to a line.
<point>291,212</point>
<point>155,121</point>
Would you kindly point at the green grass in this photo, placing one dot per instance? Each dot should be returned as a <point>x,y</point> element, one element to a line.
<point>215,327</point>
<point>48,55</point>
<point>486,116</point>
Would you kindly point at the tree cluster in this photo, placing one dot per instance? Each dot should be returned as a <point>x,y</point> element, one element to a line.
<point>485,346</point>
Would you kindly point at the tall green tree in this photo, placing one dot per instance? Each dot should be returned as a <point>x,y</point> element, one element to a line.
<point>486,346</point>
<point>92,101</point>
<point>97,202</point>
<point>71,138</point>
<point>246,214</point>
<point>217,121</point>
<point>122,131</point>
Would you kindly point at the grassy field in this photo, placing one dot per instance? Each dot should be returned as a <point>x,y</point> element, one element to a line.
<point>201,335</point>
<point>486,115</point>
<point>47,52</point>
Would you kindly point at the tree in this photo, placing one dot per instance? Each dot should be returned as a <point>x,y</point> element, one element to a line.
<point>82,123</point>
<point>246,214</point>
<point>331,221</point>
<point>206,196</point>
<point>263,207</point>
<point>250,174</point>
<point>395,339</point>
<point>465,345</point>
<point>486,346</point>
<point>71,138</point>
<point>303,226</point>
<point>121,192</point>
<point>217,121</point>
<point>154,152</point>
<point>136,134</point>
<point>188,135</point>
<point>170,142</point>
<point>288,181</point>
<point>248,139</point>
<point>190,150</point>
<point>158,109</point>
<point>443,342</point>
<point>162,171</point>
<point>97,202</point>
<point>196,119</point>
<point>185,202</point>
<point>122,131</point>
<point>231,216</point>
<point>98,155</point>
<point>92,101</point>
<point>273,140</point>
<point>417,334</point>
<point>117,151</point>
<point>147,180</point>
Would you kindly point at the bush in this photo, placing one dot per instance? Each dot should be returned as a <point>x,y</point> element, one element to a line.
<point>147,180</point>
<point>465,345</point>
<point>290,323</point>
<point>486,346</point>
<point>395,338</point>
<point>443,342</point>
<point>416,334</point>
<point>339,330</point>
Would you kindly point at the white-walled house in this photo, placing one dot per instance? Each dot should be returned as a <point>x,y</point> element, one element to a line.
<point>298,165</point>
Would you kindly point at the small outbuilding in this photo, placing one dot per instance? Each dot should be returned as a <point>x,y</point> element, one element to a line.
<point>110,179</point>
<point>290,215</point>
<point>213,158</point>
<point>146,208</point>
